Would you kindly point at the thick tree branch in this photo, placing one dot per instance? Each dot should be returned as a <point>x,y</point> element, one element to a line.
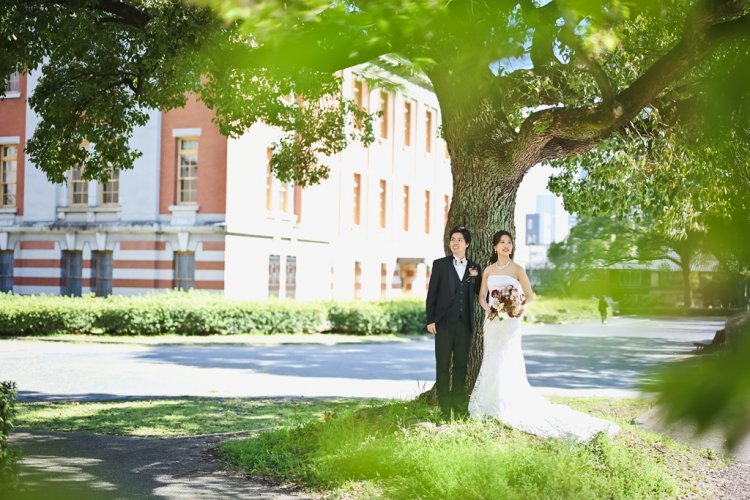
<point>546,134</point>
<point>123,13</point>
<point>127,14</point>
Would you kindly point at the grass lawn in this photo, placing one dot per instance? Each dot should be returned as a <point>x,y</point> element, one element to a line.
<point>561,310</point>
<point>395,449</point>
<point>169,418</point>
<point>401,450</point>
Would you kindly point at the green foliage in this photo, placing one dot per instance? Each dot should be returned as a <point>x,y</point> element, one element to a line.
<point>197,313</point>
<point>383,452</point>
<point>551,309</point>
<point>8,395</point>
<point>9,457</point>
<point>107,63</point>
<point>104,66</point>
<point>393,316</point>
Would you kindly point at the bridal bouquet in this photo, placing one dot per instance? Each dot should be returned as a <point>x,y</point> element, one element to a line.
<point>508,301</point>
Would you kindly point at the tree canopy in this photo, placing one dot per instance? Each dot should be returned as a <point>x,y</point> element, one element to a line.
<point>519,82</point>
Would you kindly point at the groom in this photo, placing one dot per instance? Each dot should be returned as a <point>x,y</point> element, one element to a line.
<point>454,283</point>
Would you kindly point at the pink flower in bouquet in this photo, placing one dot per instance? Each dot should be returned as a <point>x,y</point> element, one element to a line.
<point>508,300</point>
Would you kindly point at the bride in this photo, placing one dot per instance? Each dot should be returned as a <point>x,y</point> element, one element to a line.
<point>502,390</point>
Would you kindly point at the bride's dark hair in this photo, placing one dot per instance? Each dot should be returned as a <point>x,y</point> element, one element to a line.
<point>496,240</point>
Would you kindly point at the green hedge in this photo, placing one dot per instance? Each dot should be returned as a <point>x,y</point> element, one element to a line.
<point>8,395</point>
<point>198,313</point>
<point>9,457</point>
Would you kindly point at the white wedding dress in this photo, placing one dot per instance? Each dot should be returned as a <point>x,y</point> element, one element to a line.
<point>502,390</point>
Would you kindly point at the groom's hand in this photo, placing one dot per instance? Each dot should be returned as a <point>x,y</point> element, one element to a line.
<point>431,328</point>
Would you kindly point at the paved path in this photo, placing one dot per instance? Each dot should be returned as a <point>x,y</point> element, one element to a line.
<point>70,465</point>
<point>578,359</point>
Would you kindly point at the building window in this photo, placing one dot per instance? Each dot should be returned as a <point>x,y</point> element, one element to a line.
<point>274,270</point>
<point>101,273</point>
<point>385,119</point>
<point>13,84</point>
<point>631,277</point>
<point>79,189</point>
<point>8,170</point>
<point>428,131</point>
<point>382,202</point>
<point>357,199</point>
<point>357,280</point>
<point>396,278</point>
<point>184,270</point>
<point>408,105</point>
<point>427,212</point>
<point>110,190</point>
<point>281,196</point>
<point>187,170</point>
<point>291,276</point>
<point>6,271</point>
<point>383,280</point>
<point>406,208</point>
<point>359,96</point>
<point>71,266</point>
<point>446,208</point>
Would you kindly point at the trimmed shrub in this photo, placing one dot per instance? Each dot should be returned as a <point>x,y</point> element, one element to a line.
<point>361,318</point>
<point>197,313</point>
<point>406,315</point>
<point>372,318</point>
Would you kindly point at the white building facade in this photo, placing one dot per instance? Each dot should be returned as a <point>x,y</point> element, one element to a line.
<point>202,211</point>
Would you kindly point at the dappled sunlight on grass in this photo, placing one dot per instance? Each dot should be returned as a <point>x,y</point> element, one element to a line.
<point>174,418</point>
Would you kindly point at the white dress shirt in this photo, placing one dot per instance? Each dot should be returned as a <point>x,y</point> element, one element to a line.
<point>460,265</point>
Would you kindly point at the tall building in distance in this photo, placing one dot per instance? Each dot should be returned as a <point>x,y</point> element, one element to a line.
<point>540,219</point>
<point>203,211</point>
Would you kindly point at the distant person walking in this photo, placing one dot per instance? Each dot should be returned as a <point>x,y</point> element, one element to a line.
<point>603,309</point>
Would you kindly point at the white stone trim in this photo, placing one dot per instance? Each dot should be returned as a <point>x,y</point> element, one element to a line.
<point>186,132</point>
<point>11,94</point>
<point>10,139</point>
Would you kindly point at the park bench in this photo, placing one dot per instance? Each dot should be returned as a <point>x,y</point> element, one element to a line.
<point>736,327</point>
<point>720,338</point>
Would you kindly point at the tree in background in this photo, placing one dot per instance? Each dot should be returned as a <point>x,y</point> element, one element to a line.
<point>593,245</point>
<point>684,184</point>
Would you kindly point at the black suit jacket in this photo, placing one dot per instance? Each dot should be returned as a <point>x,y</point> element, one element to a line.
<point>442,289</point>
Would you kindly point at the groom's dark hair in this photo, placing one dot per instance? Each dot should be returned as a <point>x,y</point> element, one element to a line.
<point>464,232</point>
